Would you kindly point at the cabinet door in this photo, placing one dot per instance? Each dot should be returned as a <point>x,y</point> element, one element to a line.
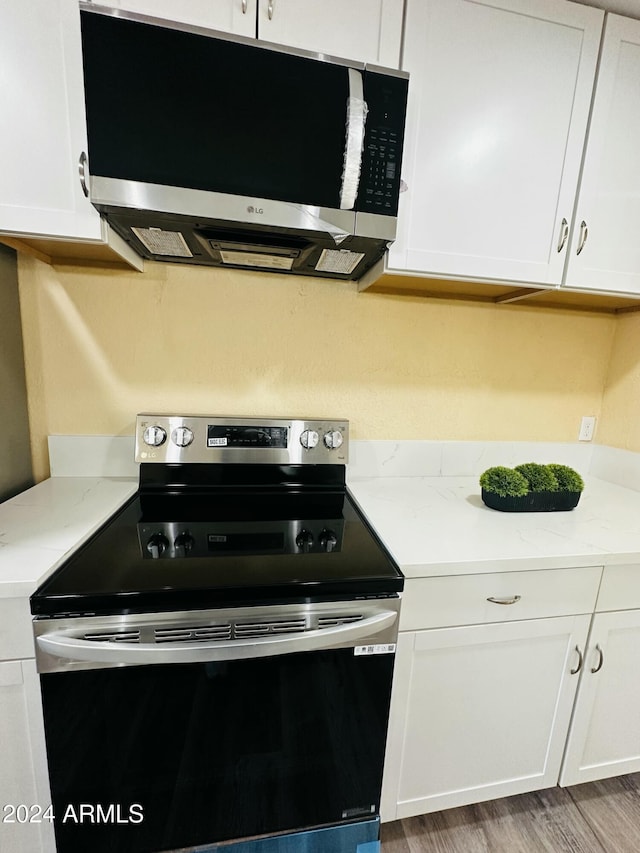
<point>605,732</point>
<point>499,99</point>
<point>479,712</point>
<point>364,30</point>
<point>609,198</point>
<point>42,108</point>
<point>23,780</point>
<point>229,16</point>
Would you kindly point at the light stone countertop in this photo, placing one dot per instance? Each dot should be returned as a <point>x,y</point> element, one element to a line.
<point>40,526</point>
<point>440,526</point>
<point>432,526</point>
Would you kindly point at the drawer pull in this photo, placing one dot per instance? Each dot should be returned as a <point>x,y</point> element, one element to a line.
<point>512,599</point>
<point>580,659</point>
<point>598,666</point>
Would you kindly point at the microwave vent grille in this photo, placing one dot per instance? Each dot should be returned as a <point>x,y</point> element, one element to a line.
<point>157,241</point>
<point>338,261</point>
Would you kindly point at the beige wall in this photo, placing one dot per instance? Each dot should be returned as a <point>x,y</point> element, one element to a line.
<point>620,424</point>
<point>102,346</point>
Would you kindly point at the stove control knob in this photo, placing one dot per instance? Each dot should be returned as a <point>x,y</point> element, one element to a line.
<point>328,540</point>
<point>304,540</point>
<point>333,439</point>
<point>184,544</point>
<point>154,436</point>
<point>182,436</point>
<point>309,439</point>
<point>157,545</point>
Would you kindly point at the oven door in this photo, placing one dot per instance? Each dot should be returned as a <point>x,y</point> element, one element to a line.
<point>148,756</point>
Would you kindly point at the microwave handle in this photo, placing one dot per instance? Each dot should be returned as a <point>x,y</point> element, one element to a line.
<point>356,119</point>
<point>64,645</point>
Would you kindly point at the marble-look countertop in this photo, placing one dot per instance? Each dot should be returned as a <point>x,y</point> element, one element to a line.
<point>43,524</point>
<point>440,526</point>
<point>431,525</point>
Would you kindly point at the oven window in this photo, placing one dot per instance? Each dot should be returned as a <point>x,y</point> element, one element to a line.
<point>189,754</point>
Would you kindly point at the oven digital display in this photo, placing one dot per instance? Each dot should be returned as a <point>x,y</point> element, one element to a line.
<point>246,543</point>
<point>246,436</point>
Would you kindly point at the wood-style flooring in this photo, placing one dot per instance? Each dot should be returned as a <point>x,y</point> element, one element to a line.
<point>598,817</point>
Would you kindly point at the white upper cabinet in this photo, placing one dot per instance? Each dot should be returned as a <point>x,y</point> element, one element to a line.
<point>44,134</point>
<point>499,100</point>
<point>609,197</point>
<point>365,30</point>
<point>42,91</point>
<point>229,16</point>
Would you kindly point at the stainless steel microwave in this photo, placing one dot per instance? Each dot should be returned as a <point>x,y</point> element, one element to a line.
<point>207,148</point>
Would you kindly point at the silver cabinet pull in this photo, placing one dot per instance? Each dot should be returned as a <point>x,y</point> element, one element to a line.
<point>270,9</point>
<point>598,666</point>
<point>564,233</point>
<point>584,233</point>
<point>82,171</point>
<point>580,659</point>
<point>244,7</point>
<point>512,599</point>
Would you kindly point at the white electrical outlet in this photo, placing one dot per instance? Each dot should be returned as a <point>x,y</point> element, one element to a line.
<point>587,428</point>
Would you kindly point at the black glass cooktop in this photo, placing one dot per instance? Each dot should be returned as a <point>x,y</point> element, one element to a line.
<point>211,548</point>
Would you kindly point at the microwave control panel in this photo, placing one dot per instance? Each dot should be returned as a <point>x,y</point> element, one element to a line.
<point>386,98</point>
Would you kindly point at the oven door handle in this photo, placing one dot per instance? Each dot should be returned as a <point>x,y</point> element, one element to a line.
<point>64,644</point>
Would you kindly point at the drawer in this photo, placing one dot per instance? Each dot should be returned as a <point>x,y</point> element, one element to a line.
<point>16,629</point>
<point>620,588</point>
<point>466,599</point>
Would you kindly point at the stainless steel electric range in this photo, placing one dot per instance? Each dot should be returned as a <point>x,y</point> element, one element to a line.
<point>216,660</point>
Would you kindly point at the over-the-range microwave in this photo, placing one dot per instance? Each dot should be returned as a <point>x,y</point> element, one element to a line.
<point>208,148</point>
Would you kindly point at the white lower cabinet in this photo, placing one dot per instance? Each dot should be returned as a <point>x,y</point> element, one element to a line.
<point>24,788</point>
<point>486,712</point>
<point>605,732</point>
<point>486,675</point>
<point>24,781</point>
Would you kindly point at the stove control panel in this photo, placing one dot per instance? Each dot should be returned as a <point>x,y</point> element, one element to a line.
<point>202,438</point>
<point>179,540</point>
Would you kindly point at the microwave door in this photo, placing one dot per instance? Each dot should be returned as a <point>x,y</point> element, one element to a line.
<point>197,111</point>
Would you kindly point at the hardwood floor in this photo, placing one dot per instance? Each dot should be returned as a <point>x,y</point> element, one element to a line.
<point>598,817</point>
